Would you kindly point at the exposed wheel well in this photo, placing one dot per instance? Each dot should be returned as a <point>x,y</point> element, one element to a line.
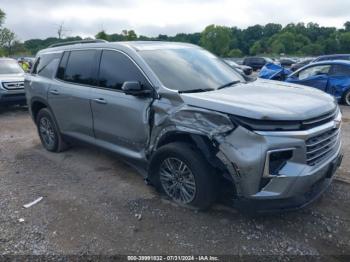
<point>36,107</point>
<point>207,148</point>
<point>175,137</point>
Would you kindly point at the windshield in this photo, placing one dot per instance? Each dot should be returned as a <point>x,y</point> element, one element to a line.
<point>10,67</point>
<point>187,68</point>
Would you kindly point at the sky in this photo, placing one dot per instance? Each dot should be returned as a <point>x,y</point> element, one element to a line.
<point>41,18</point>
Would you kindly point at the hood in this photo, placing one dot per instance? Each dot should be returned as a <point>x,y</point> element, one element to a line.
<point>11,77</point>
<point>266,100</point>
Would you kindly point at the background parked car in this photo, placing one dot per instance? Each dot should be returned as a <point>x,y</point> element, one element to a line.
<point>256,62</point>
<point>332,57</point>
<point>301,63</point>
<point>247,70</point>
<point>332,77</point>
<point>287,62</point>
<point>273,71</point>
<point>11,82</point>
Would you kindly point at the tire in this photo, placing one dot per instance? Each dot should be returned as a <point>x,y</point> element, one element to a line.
<point>49,133</point>
<point>346,98</point>
<point>197,179</point>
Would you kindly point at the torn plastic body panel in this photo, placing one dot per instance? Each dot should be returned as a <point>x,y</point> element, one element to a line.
<point>235,148</point>
<point>198,123</point>
<point>338,86</point>
<point>274,72</point>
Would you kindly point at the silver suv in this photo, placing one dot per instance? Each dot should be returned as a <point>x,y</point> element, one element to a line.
<point>189,121</point>
<point>11,82</point>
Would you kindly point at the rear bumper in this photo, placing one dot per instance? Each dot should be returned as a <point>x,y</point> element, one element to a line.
<point>309,192</point>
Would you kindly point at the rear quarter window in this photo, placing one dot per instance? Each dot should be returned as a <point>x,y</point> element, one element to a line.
<point>46,64</point>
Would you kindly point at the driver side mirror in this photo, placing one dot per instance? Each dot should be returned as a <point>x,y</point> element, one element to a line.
<point>135,88</point>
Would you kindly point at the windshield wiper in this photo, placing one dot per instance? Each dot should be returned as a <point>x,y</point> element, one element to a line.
<point>197,90</point>
<point>228,84</point>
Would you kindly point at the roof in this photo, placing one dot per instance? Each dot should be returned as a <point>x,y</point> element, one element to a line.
<point>334,55</point>
<point>154,45</point>
<point>136,45</point>
<point>332,62</point>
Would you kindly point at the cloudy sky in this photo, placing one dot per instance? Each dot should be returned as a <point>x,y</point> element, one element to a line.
<point>40,18</point>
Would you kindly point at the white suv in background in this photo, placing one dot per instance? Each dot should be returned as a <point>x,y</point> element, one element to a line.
<point>11,82</point>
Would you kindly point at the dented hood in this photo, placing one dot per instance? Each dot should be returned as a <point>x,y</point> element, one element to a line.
<point>265,99</point>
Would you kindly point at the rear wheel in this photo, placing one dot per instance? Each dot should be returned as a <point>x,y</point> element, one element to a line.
<point>49,135</point>
<point>346,98</point>
<point>184,175</point>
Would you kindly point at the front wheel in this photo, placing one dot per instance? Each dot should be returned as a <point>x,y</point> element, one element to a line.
<point>346,98</point>
<point>184,175</point>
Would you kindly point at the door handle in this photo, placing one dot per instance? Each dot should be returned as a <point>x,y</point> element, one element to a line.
<point>100,101</point>
<point>54,92</point>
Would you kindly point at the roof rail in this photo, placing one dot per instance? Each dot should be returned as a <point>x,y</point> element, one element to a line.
<point>78,42</point>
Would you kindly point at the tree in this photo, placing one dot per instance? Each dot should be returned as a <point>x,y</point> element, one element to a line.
<point>292,39</point>
<point>2,17</point>
<point>344,42</point>
<point>331,45</point>
<point>102,35</point>
<point>235,53</point>
<point>216,39</point>
<point>271,29</point>
<point>129,35</point>
<point>347,26</point>
<point>256,49</point>
<point>250,36</point>
<point>161,37</point>
<point>312,49</point>
<point>7,39</point>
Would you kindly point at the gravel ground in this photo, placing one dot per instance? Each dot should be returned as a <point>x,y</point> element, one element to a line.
<point>93,203</point>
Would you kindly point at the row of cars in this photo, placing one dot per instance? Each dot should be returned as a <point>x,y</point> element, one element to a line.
<point>255,63</point>
<point>330,74</point>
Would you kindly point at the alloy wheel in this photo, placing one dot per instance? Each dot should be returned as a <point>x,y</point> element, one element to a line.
<point>47,132</point>
<point>347,99</point>
<point>177,180</point>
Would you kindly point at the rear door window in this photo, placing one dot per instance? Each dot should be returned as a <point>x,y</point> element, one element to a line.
<point>340,70</point>
<point>258,60</point>
<point>116,68</point>
<point>62,66</point>
<point>80,68</point>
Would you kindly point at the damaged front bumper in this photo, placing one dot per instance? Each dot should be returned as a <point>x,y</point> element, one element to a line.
<point>300,179</point>
<point>308,188</point>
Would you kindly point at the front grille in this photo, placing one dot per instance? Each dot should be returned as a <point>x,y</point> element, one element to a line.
<point>320,146</point>
<point>13,85</point>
